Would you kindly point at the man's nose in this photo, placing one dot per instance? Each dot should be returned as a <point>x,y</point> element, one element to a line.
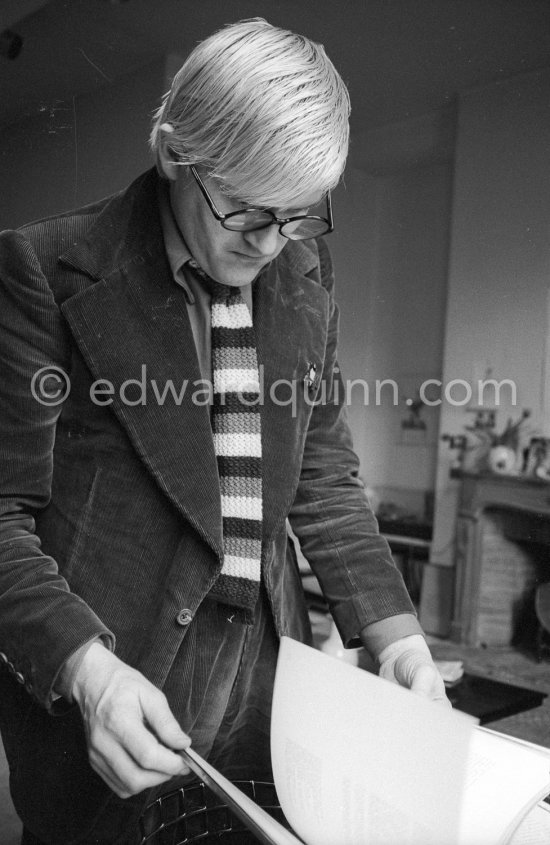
<point>265,241</point>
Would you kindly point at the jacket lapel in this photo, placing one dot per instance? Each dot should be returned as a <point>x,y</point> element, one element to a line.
<point>291,311</point>
<point>132,323</point>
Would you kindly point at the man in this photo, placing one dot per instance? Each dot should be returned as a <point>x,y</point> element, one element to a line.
<point>145,568</point>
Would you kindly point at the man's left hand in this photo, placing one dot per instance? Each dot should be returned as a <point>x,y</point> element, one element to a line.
<point>408,662</point>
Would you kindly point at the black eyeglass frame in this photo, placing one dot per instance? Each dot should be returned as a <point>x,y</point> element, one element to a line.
<point>279,221</point>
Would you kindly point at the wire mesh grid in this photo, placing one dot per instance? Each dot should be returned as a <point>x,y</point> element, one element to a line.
<point>195,814</point>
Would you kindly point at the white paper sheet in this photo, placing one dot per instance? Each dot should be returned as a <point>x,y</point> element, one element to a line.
<point>360,761</point>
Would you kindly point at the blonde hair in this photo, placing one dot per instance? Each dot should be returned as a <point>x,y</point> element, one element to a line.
<point>262,109</point>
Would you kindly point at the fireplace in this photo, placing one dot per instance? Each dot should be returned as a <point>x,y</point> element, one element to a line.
<point>502,554</point>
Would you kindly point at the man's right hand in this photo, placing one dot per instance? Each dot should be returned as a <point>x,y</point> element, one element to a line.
<point>129,725</point>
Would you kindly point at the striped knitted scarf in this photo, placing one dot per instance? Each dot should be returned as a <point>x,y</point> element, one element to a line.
<point>236,424</point>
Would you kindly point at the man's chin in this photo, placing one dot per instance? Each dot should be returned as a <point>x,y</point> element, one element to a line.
<point>238,277</point>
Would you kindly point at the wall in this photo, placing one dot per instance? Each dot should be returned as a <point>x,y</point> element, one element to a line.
<point>406,321</point>
<point>72,153</point>
<point>392,251</point>
<point>499,270</point>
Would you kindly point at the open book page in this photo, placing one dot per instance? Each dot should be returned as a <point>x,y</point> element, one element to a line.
<point>517,741</point>
<point>504,779</point>
<point>534,829</point>
<point>358,760</point>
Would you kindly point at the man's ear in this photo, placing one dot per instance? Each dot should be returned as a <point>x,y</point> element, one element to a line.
<point>167,158</point>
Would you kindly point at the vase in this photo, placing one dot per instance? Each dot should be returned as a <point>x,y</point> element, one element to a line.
<point>502,460</point>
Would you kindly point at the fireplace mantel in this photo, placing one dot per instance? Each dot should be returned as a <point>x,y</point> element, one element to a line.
<point>528,503</point>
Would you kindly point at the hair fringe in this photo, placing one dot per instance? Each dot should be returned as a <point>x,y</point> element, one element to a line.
<point>262,109</point>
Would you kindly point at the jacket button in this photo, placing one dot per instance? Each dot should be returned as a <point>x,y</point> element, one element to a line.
<point>184,617</point>
<point>19,678</point>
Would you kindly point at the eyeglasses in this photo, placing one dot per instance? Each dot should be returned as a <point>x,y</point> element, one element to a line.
<point>297,228</point>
